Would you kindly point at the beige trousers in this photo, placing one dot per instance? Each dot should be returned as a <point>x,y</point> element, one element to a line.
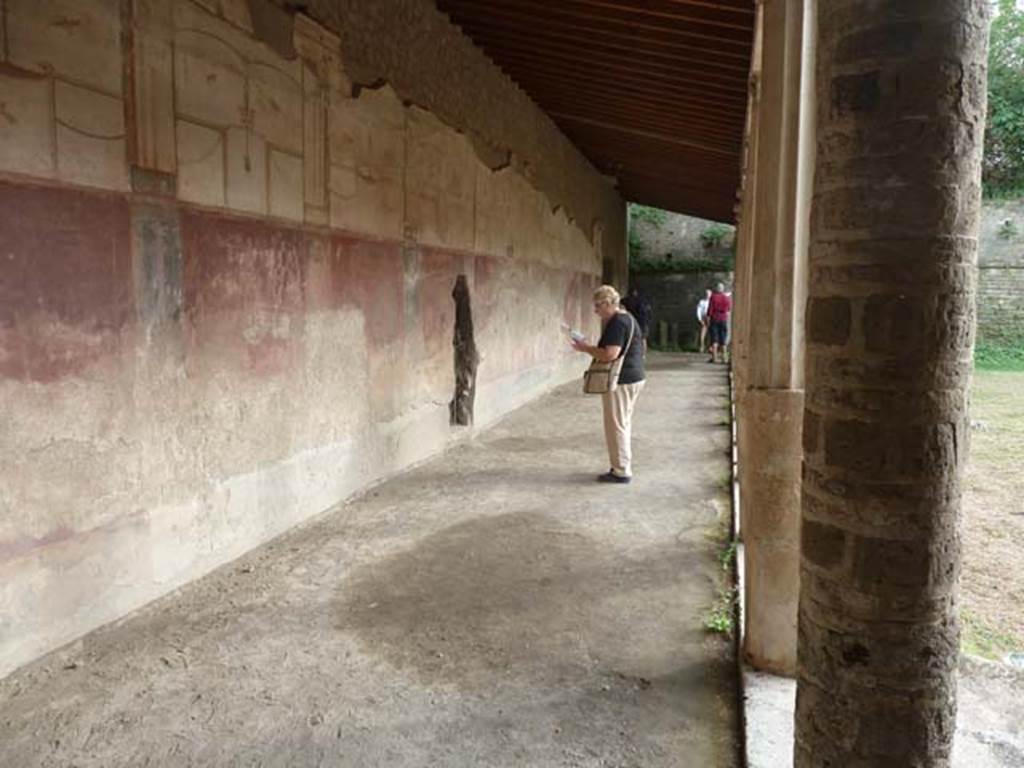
<point>618,420</point>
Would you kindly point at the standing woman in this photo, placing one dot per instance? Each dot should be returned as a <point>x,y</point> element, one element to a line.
<point>620,335</point>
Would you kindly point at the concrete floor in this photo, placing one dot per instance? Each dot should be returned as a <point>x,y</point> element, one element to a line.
<point>495,607</point>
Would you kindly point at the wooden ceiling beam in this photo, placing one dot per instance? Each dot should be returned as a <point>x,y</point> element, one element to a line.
<point>636,72</point>
<point>463,12</point>
<point>721,25</point>
<point>492,30</point>
<point>666,101</point>
<point>619,155</point>
<point>677,107</point>
<point>642,130</point>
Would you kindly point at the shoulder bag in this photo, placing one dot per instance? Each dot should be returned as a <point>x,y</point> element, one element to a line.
<point>601,376</point>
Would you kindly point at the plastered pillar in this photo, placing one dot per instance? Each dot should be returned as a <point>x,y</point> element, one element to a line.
<point>770,398</point>
<point>771,426</point>
<point>745,228</point>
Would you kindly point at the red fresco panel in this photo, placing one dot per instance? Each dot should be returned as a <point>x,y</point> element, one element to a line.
<point>369,274</point>
<point>244,291</point>
<point>438,271</point>
<point>66,286</point>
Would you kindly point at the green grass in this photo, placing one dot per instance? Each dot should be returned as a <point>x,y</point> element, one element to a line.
<point>997,402</point>
<point>979,638</point>
<point>993,529</point>
<point>992,356</point>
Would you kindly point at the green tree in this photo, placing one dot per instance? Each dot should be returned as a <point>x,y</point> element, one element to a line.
<point>1004,134</point>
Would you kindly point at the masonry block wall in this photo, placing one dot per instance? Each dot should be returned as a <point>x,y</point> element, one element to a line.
<point>226,273</point>
<point>682,236</point>
<point>674,298</point>
<point>1001,273</point>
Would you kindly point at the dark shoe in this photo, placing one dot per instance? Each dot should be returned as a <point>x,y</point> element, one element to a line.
<point>611,477</point>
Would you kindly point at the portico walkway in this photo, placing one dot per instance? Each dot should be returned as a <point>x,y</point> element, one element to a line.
<point>495,607</point>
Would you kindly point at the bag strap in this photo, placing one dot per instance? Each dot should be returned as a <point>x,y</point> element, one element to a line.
<point>629,340</point>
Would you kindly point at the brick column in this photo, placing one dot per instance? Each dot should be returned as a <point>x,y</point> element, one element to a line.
<point>770,404</point>
<point>901,110</point>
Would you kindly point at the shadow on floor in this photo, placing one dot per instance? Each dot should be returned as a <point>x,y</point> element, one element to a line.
<point>517,594</point>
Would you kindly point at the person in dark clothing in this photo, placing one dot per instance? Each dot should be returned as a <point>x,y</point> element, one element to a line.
<point>620,335</point>
<point>640,308</point>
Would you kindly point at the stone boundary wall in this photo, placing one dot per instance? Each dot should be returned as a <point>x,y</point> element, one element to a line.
<point>674,298</point>
<point>1000,267</point>
<point>681,236</point>
<point>1001,304</point>
<point>226,276</point>
<point>1001,273</point>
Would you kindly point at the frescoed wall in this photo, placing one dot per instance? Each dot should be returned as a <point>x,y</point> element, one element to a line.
<point>225,293</point>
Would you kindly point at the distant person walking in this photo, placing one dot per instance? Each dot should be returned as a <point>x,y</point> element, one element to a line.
<point>620,336</point>
<point>719,309</point>
<point>702,318</point>
<point>639,308</point>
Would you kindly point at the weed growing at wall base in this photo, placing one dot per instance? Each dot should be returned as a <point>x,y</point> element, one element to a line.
<point>727,557</point>
<point>719,617</point>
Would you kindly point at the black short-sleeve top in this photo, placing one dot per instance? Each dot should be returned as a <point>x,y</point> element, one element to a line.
<point>615,334</point>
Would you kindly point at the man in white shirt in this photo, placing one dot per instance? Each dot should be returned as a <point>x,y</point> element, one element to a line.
<point>702,318</point>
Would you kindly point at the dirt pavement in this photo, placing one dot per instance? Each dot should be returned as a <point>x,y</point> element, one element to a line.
<point>495,607</point>
<point>992,586</point>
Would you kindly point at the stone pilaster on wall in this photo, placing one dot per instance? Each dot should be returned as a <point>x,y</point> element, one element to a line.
<point>321,74</point>
<point>770,366</point>
<point>901,95</point>
<point>157,258</point>
<point>150,67</point>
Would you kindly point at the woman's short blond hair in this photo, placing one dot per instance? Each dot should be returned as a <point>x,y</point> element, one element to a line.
<point>606,293</point>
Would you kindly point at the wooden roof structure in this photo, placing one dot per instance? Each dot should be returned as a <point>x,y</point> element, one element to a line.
<point>653,92</point>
